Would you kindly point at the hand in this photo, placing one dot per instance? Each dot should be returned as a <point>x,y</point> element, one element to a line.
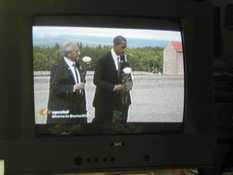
<point>119,87</point>
<point>79,86</point>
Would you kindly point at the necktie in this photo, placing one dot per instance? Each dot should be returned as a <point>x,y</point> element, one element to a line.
<point>76,73</point>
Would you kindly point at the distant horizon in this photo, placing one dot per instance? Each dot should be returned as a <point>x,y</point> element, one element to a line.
<point>49,36</point>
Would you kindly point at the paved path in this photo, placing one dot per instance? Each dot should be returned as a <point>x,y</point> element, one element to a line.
<point>155,98</point>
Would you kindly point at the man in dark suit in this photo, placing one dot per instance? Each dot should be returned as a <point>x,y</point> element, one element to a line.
<point>67,99</point>
<point>108,80</point>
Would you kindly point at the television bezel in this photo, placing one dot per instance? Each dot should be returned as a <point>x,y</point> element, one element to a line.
<point>192,148</point>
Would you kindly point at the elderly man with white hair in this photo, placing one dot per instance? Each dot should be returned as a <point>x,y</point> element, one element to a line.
<point>67,99</point>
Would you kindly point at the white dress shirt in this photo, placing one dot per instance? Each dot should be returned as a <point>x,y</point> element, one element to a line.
<point>115,58</point>
<point>72,68</point>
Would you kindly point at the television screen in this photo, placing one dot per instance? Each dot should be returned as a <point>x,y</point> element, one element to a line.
<point>154,84</point>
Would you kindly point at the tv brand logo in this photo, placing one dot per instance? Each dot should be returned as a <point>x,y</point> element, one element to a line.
<point>117,144</point>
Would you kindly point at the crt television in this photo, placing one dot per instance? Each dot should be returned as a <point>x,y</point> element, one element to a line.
<point>171,125</point>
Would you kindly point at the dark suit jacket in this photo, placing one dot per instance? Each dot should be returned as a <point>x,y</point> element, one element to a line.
<point>61,95</point>
<point>105,78</point>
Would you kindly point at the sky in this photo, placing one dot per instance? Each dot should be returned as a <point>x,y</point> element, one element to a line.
<point>107,32</point>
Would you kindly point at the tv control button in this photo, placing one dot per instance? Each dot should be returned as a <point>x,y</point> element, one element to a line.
<point>112,159</point>
<point>88,160</point>
<point>147,158</point>
<point>78,161</point>
<point>96,160</point>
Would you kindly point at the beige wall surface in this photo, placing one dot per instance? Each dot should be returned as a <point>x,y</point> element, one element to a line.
<point>1,167</point>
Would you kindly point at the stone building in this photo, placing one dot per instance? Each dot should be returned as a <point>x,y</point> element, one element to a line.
<point>173,59</point>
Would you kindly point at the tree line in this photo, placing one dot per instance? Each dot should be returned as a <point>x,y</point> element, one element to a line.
<point>149,59</point>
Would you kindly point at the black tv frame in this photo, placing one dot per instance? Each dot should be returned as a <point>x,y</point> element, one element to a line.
<point>24,152</point>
